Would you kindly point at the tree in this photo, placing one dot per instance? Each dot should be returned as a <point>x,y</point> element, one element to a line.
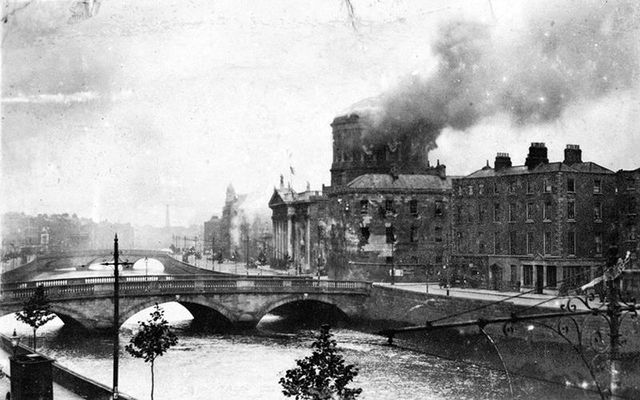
<point>36,311</point>
<point>152,340</point>
<point>323,375</point>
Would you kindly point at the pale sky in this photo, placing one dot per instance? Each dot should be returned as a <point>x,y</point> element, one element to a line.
<point>154,102</point>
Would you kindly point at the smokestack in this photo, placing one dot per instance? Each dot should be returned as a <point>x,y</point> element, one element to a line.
<point>502,161</point>
<point>572,154</point>
<point>537,155</point>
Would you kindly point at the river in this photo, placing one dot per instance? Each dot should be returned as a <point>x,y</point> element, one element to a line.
<point>206,366</point>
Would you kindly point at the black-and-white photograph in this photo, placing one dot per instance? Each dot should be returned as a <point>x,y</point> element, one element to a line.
<point>320,199</point>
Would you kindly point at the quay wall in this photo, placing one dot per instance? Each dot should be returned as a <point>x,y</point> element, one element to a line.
<point>84,387</point>
<point>399,307</point>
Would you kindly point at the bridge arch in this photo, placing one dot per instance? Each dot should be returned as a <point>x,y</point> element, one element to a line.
<point>300,298</point>
<point>201,310</point>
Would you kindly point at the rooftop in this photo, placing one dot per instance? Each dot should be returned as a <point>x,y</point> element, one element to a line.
<point>403,181</point>
<point>584,167</point>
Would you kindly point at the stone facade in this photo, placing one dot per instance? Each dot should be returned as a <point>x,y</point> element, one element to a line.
<point>627,205</point>
<point>538,225</point>
<point>384,226</point>
<point>298,229</point>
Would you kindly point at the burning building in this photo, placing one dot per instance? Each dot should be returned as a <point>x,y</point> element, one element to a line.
<point>388,206</point>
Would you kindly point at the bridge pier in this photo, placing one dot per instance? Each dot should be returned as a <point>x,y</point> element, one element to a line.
<point>246,322</point>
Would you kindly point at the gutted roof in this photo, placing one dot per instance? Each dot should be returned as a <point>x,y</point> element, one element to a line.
<point>402,182</point>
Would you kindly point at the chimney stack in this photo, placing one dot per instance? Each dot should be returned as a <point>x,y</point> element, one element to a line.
<point>537,155</point>
<point>502,161</point>
<point>572,154</point>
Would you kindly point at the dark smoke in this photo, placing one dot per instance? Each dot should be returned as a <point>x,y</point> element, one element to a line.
<point>575,52</point>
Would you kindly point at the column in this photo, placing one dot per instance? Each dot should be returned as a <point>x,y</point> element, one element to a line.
<point>307,241</point>
<point>290,215</point>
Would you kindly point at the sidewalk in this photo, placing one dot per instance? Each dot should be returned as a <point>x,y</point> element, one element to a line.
<point>523,299</point>
<point>59,393</point>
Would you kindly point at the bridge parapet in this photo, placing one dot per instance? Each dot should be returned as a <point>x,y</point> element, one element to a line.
<point>135,286</point>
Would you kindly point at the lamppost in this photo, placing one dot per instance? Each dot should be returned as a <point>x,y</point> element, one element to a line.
<point>15,341</point>
<point>116,314</point>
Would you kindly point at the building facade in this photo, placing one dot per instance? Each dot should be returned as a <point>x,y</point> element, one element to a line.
<point>541,225</point>
<point>627,203</point>
<point>298,239</point>
<point>389,227</point>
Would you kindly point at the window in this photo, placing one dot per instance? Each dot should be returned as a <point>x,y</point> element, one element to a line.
<point>439,208</point>
<point>459,190</point>
<point>512,212</point>
<point>546,243</point>
<point>514,273</point>
<point>481,189</point>
<point>459,242</point>
<point>571,243</point>
<point>470,190</point>
<point>469,215</point>
<point>413,236</point>
<point>496,243</point>
<point>388,231</point>
<point>598,242</point>
<point>481,211</point>
<point>630,184</point>
<point>364,206</point>
<point>571,185</point>
<point>597,186</point>
<point>481,248</point>
<point>513,242</point>
<point>571,209</point>
<point>496,190</point>
<point>388,205</point>
<point>413,207</point>
<point>347,207</point>
<point>512,187</point>
<point>546,211</point>
<point>527,275</point>
<point>597,211</point>
<point>458,214</point>
<point>438,259</point>
<point>547,185</point>
<point>529,242</point>
<point>364,231</point>
<point>496,212</point>
<point>529,211</point>
<point>530,187</point>
<point>552,279</point>
<point>438,234</point>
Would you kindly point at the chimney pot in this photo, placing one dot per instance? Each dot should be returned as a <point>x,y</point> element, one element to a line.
<point>572,154</point>
<point>502,161</point>
<point>537,155</point>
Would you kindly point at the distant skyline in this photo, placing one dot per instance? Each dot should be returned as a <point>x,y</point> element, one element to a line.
<point>150,103</point>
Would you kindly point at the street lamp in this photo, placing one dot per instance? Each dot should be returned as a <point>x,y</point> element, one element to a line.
<point>15,341</point>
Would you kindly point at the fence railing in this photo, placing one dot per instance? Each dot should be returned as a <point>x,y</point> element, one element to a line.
<point>176,284</point>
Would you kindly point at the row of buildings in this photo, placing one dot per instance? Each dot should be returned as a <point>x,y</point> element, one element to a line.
<point>536,224</point>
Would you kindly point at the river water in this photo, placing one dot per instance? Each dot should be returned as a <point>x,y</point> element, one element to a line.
<point>249,365</point>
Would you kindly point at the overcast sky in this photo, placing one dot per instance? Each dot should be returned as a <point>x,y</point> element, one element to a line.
<point>151,102</point>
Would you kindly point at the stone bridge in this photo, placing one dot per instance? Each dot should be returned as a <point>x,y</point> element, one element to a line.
<point>241,301</point>
<point>81,260</point>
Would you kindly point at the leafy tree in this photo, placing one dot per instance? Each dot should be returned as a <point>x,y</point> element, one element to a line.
<point>323,375</point>
<point>152,340</point>
<point>36,311</point>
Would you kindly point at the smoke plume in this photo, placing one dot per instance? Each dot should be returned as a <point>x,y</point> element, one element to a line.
<point>574,52</point>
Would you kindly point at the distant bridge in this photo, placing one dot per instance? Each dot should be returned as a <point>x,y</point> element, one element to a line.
<point>81,260</point>
<point>241,301</point>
